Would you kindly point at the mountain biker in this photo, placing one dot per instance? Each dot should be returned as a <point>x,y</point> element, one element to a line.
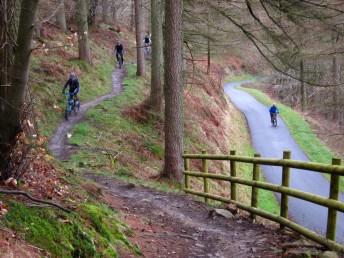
<point>73,84</point>
<point>147,42</point>
<point>273,111</point>
<point>119,50</point>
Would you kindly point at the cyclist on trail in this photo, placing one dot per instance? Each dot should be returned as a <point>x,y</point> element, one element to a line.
<point>273,111</point>
<point>147,42</point>
<point>119,50</point>
<point>73,84</point>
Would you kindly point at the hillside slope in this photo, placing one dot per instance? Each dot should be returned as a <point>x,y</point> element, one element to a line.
<point>114,141</point>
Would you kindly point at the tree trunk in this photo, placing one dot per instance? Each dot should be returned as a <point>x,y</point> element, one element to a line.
<point>303,90</point>
<point>91,15</point>
<point>156,70</point>
<point>208,43</point>
<point>105,11</point>
<point>8,33</point>
<point>173,90</point>
<point>61,17</point>
<point>114,12</point>
<point>9,13</point>
<point>139,37</point>
<point>10,115</point>
<point>132,16</point>
<point>335,80</point>
<point>84,46</point>
<point>208,52</point>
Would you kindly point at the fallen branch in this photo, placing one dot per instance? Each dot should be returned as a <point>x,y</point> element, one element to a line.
<point>14,192</point>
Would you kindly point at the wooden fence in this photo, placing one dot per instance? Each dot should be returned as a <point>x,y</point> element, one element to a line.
<point>332,202</point>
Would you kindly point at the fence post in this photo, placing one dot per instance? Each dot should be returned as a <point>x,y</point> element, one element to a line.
<point>205,180</point>
<point>233,174</point>
<point>332,213</point>
<point>186,168</point>
<point>254,194</point>
<point>285,183</point>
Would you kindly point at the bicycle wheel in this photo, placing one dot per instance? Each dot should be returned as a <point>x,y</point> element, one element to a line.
<point>67,114</point>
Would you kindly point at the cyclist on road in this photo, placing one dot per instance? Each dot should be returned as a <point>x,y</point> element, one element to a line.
<point>119,50</point>
<point>273,111</point>
<point>73,84</point>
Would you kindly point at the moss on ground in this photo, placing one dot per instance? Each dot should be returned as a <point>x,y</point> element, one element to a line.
<point>97,232</point>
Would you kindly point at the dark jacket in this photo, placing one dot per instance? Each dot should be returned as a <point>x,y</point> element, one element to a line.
<point>73,84</point>
<point>147,40</point>
<point>119,48</point>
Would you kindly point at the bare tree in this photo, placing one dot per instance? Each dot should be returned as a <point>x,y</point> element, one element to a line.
<point>61,16</point>
<point>132,16</point>
<point>173,81</point>
<point>84,45</point>
<point>91,15</point>
<point>10,112</point>
<point>155,99</point>
<point>139,37</point>
<point>105,11</point>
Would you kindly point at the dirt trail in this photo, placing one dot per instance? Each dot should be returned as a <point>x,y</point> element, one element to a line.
<point>172,225</point>
<point>58,143</point>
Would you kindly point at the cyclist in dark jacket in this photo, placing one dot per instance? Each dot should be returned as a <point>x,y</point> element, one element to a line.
<point>119,51</point>
<point>73,84</point>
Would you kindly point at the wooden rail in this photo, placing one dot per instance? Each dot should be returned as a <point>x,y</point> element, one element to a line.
<point>332,203</point>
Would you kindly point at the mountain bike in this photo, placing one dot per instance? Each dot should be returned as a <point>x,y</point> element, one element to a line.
<point>274,119</point>
<point>147,50</point>
<point>119,58</point>
<point>72,105</point>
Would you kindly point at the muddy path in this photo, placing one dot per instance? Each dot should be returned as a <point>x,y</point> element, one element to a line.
<point>174,225</point>
<point>58,144</point>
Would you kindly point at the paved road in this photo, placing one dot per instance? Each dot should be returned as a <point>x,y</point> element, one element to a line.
<point>270,142</point>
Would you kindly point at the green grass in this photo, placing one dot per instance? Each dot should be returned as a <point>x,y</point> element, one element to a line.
<point>95,233</point>
<point>241,77</point>
<point>300,130</point>
<point>266,199</point>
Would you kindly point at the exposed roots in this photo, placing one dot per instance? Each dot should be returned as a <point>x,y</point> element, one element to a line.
<point>27,195</point>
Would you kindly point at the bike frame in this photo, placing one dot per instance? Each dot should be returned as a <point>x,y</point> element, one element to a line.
<point>274,119</point>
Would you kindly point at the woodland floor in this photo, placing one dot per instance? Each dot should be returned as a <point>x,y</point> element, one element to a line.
<point>175,225</point>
